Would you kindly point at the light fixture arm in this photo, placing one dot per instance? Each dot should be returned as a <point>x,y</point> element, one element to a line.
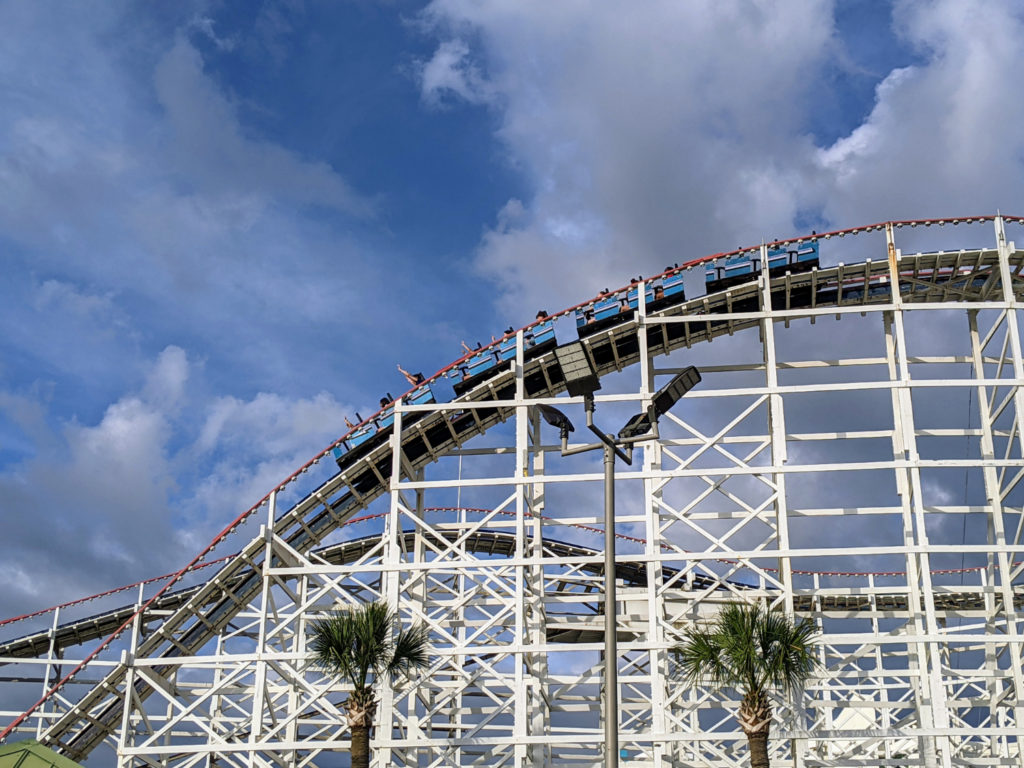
<point>606,440</point>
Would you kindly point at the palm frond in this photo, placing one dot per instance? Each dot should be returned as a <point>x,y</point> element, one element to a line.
<point>330,641</point>
<point>748,647</point>
<point>356,644</point>
<point>733,629</point>
<point>411,651</point>
<point>700,659</point>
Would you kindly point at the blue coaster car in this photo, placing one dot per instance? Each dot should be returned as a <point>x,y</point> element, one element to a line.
<point>537,339</point>
<point>543,333</point>
<point>507,348</point>
<point>730,270</point>
<point>474,370</point>
<point>422,395</point>
<point>375,431</point>
<point>362,434</point>
<point>739,268</point>
<point>666,291</point>
<point>673,286</point>
<point>797,257</point>
<point>606,307</point>
<point>480,362</point>
<point>778,258</point>
<point>345,451</point>
<point>604,312</point>
<point>633,294</point>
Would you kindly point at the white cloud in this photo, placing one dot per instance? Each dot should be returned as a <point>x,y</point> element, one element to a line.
<point>141,490</point>
<point>211,146</point>
<point>165,384</point>
<point>676,130</point>
<point>942,137</point>
<point>122,459</point>
<point>58,296</point>
<point>277,425</point>
<point>206,25</point>
<point>450,72</point>
<point>142,217</point>
<point>92,506</point>
<point>250,446</point>
<point>649,137</point>
<point>132,194</point>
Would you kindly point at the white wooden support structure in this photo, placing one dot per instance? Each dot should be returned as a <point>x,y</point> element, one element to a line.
<point>854,455</point>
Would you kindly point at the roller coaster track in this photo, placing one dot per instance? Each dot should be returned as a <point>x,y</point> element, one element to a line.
<point>199,613</point>
<point>484,542</point>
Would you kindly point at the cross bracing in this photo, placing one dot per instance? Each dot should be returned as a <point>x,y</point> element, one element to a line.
<point>914,580</point>
<point>485,542</point>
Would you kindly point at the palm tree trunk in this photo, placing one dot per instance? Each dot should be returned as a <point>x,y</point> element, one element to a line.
<point>362,708</point>
<point>755,716</point>
<point>361,746</point>
<point>758,743</point>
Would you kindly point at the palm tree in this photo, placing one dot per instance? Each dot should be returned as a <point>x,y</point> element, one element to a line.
<point>752,649</point>
<point>356,645</point>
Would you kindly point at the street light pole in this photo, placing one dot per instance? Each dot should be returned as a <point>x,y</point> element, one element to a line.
<point>612,448</point>
<point>611,645</point>
<point>581,379</point>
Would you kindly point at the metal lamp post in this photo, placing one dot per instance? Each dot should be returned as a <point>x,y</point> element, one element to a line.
<point>581,379</point>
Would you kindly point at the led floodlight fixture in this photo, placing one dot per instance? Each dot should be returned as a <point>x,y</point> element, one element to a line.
<point>555,417</point>
<point>580,378</point>
<point>669,394</point>
<point>636,426</point>
<point>666,397</point>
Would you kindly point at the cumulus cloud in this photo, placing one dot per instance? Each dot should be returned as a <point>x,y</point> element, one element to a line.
<point>210,145</point>
<point>133,193</point>
<point>688,128</point>
<point>165,383</point>
<point>941,138</point>
<point>155,246</point>
<point>248,446</point>
<point>91,502</point>
<point>141,490</point>
<point>277,424</point>
<point>647,142</point>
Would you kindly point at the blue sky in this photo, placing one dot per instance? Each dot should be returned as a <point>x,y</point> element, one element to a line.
<point>222,224</point>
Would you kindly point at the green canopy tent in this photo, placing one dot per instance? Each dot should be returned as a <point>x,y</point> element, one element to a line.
<point>31,754</point>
